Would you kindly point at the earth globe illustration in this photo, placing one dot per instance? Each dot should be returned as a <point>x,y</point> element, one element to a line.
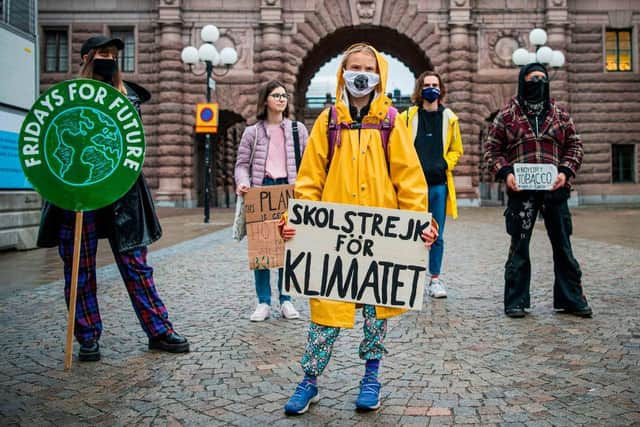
<point>83,146</point>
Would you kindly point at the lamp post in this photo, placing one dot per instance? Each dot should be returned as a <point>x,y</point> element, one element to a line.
<point>543,54</point>
<point>209,55</point>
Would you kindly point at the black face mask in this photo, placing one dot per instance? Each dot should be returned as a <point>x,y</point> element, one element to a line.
<point>105,68</point>
<point>534,90</point>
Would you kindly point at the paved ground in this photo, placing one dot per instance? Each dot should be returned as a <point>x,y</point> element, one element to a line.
<point>28,269</point>
<point>458,361</point>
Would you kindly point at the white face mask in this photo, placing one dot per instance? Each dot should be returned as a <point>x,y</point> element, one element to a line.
<point>360,83</point>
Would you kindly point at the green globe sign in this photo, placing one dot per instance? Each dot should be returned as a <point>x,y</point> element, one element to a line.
<point>82,145</point>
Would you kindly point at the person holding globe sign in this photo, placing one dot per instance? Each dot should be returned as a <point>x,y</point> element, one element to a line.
<point>130,223</point>
<point>389,178</point>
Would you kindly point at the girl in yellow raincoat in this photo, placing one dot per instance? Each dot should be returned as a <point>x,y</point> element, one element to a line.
<point>358,171</point>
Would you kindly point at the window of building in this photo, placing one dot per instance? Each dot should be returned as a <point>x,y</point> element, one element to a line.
<point>618,50</point>
<point>19,14</point>
<point>56,51</point>
<point>126,58</point>
<point>623,163</point>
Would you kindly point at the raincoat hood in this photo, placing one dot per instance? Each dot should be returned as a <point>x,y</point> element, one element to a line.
<point>380,103</point>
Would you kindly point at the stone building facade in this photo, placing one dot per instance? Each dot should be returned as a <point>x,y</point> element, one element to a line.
<point>469,41</point>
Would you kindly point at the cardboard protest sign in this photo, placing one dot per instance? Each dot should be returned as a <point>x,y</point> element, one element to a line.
<point>266,247</point>
<point>534,176</point>
<point>266,203</point>
<point>263,208</point>
<point>356,253</point>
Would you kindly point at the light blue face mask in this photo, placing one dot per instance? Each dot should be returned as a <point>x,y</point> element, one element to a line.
<point>360,83</point>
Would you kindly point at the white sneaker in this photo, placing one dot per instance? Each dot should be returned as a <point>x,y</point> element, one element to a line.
<point>437,289</point>
<point>262,313</point>
<point>288,310</point>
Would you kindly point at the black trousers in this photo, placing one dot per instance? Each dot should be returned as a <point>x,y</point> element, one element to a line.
<point>520,217</point>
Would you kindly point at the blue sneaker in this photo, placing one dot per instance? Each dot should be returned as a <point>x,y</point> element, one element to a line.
<point>305,394</point>
<point>369,397</point>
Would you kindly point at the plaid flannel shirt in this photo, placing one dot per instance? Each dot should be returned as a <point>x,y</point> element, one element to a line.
<point>511,140</point>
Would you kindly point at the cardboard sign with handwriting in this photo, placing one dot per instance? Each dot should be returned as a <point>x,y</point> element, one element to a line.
<point>263,208</point>
<point>356,253</point>
<point>266,247</point>
<point>267,203</point>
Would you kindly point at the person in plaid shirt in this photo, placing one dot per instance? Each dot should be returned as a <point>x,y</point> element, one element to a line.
<point>532,128</point>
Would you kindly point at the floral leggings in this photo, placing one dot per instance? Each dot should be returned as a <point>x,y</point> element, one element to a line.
<point>321,339</point>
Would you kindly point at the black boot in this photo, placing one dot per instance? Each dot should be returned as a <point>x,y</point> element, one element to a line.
<point>171,342</point>
<point>585,312</point>
<point>515,312</point>
<point>89,352</point>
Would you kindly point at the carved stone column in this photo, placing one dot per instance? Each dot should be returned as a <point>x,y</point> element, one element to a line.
<point>173,143</point>
<point>269,43</point>
<point>459,81</point>
<point>271,58</point>
<point>557,23</point>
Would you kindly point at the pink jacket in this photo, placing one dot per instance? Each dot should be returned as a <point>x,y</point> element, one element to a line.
<point>257,170</point>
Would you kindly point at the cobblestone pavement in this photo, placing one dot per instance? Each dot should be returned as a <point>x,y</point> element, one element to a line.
<point>458,361</point>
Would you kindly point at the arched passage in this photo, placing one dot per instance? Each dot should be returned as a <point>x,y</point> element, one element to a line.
<point>382,38</point>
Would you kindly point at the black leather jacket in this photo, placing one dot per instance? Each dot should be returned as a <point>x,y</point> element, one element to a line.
<point>130,222</point>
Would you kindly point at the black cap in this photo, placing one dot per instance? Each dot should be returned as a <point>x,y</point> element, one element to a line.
<point>99,41</point>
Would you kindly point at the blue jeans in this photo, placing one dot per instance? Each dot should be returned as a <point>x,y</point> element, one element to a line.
<point>263,286</point>
<point>263,277</point>
<point>438,208</point>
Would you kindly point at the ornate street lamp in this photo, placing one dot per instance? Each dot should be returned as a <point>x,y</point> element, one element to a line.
<point>209,55</point>
<point>542,54</point>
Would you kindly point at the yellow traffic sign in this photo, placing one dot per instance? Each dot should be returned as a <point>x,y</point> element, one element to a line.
<point>207,118</point>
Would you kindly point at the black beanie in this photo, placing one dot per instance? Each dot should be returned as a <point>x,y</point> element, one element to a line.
<point>534,66</point>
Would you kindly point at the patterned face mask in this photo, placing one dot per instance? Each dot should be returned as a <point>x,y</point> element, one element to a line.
<point>360,83</point>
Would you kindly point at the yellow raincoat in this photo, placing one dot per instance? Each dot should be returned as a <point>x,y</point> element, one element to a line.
<point>359,175</point>
<point>452,148</point>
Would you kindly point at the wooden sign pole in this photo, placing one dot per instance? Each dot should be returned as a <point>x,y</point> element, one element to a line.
<point>73,290</point>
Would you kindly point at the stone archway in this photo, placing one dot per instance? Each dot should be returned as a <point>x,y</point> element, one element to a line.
<point>384,39</point>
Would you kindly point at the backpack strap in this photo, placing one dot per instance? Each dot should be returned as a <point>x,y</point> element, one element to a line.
<point>253,152</point>
<point>296,143</point>
<point>386,128</point>
<point>334,129</point>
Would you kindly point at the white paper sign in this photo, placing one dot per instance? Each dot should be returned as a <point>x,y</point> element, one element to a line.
<point>356,253</point>
<point>535,176</point>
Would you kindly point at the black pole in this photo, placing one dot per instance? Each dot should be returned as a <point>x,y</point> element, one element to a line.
<point>207,152</point>
<point>214,171</point>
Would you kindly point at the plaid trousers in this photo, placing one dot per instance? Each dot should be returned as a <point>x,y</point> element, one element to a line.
<point>136,273</point>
